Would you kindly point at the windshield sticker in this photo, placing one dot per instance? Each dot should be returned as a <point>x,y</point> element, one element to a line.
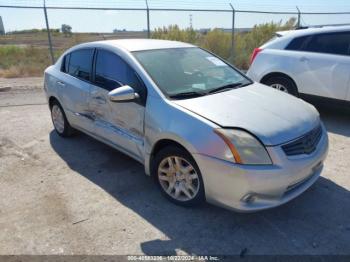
<point>199,86</point>
<point>216,61</point>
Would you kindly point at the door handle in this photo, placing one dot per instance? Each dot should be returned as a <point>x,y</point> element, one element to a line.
<point>61,84</point>
<point>100,99</point>
<point>304,59</point>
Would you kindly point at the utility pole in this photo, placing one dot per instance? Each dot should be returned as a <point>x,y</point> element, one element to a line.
<point>233,31</point>
<point>2,28</point>
<point>48,34</point>
<point>191,25</point>
<point>299,17</point>
<point>148,24</point>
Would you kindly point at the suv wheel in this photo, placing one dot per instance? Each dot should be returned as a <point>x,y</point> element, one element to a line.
<point>283,84</point>
<point>60,121</point>
<point>178,177</point>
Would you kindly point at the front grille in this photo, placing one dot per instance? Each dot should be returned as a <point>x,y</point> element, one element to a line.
<point>305,144</point>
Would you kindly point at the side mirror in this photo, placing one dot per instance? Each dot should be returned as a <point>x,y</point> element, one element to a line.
<point>123,94</point>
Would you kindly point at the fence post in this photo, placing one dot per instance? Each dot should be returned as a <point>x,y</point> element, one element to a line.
<point>233,32</point>
<point>148,25</point>
<point>299,17</point>
<point>48,33</point>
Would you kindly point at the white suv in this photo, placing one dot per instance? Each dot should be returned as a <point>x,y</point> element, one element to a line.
<point>313,64</point>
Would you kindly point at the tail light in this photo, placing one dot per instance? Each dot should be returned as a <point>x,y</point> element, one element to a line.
<point>255,53</point>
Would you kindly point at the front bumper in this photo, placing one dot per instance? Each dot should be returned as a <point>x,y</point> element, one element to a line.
<point>248,188</point>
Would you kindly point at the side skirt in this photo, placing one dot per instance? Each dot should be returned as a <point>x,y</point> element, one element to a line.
<point>115,146</point>
<point>326,102</point>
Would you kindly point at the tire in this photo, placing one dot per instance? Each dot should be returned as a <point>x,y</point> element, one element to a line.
<point>184,177</point>
<point>283,84</point>
<point>59,120</point>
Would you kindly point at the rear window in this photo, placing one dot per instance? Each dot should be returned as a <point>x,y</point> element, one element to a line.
<point>298,43</point>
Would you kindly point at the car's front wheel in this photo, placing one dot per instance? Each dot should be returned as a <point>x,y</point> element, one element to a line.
<point>178,177</point>
<point>60,121</point>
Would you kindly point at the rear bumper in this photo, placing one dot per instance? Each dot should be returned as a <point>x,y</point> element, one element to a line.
<point>253,188</point>
<point>253,75</point>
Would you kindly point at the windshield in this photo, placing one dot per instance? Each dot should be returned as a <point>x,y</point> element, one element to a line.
<point>193,71</point>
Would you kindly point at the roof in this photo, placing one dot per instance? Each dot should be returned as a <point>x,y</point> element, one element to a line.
<point>144,44</point>
<point>310,31</point>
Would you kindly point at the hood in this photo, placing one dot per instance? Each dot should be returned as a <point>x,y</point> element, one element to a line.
<point>273,116</point>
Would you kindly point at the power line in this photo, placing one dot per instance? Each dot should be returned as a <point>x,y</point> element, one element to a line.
<point>181,5</point>
<point>177,10</point>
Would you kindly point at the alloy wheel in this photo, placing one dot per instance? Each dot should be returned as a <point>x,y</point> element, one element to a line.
<point>57,118</point>
<point>280,87</point>
<point>178,178</point>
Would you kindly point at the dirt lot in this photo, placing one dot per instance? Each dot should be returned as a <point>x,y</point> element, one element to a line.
<point>59,41</point>
<point>78,196</point>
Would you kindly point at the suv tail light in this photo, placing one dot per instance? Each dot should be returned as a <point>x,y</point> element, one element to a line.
<point>255,53</point>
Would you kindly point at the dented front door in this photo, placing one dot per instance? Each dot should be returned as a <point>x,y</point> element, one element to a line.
<point>121,124</point>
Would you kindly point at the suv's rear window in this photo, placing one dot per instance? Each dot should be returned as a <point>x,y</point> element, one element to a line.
<point>297,43</point>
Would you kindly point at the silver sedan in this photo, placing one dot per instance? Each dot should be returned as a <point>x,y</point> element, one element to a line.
<point>202,129</point>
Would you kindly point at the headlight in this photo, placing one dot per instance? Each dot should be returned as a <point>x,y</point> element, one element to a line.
<point>245,148</point>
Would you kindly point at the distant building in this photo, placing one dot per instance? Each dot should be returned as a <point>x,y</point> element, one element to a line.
<point>115,31</point>
<point>2,29</point>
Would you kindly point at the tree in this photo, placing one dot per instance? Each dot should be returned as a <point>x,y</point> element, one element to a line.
<point>66,30</point>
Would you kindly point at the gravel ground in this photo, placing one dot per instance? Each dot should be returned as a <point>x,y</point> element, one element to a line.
<point>22,83</point>
<point>78,196</point>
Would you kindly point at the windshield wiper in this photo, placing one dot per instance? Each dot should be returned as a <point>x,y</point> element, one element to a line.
<point>192,94</point>
<point>187,95</point>
<point>228,87</point>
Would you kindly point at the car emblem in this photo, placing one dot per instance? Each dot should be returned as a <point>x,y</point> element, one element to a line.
<point>308,144</point>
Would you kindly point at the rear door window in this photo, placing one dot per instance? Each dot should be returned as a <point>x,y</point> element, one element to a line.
<point>80,64</point>
<point>330,43</point>
<point>65,64</point>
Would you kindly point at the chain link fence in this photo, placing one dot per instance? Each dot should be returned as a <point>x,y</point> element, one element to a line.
<point>110,22</point>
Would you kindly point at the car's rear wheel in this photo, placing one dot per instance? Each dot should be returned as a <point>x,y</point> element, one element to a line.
<point>178,177</point>
<point>283,84</point>
<point>60,121</point>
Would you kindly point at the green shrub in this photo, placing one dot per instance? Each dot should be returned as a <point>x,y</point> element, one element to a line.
<point>217,42</point>
<point>26,60</point>
<point>19,61</point>
<point>220,43</point>
<point>173,32</point>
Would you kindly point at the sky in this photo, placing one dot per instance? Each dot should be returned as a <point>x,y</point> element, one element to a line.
<point>107,20</point>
